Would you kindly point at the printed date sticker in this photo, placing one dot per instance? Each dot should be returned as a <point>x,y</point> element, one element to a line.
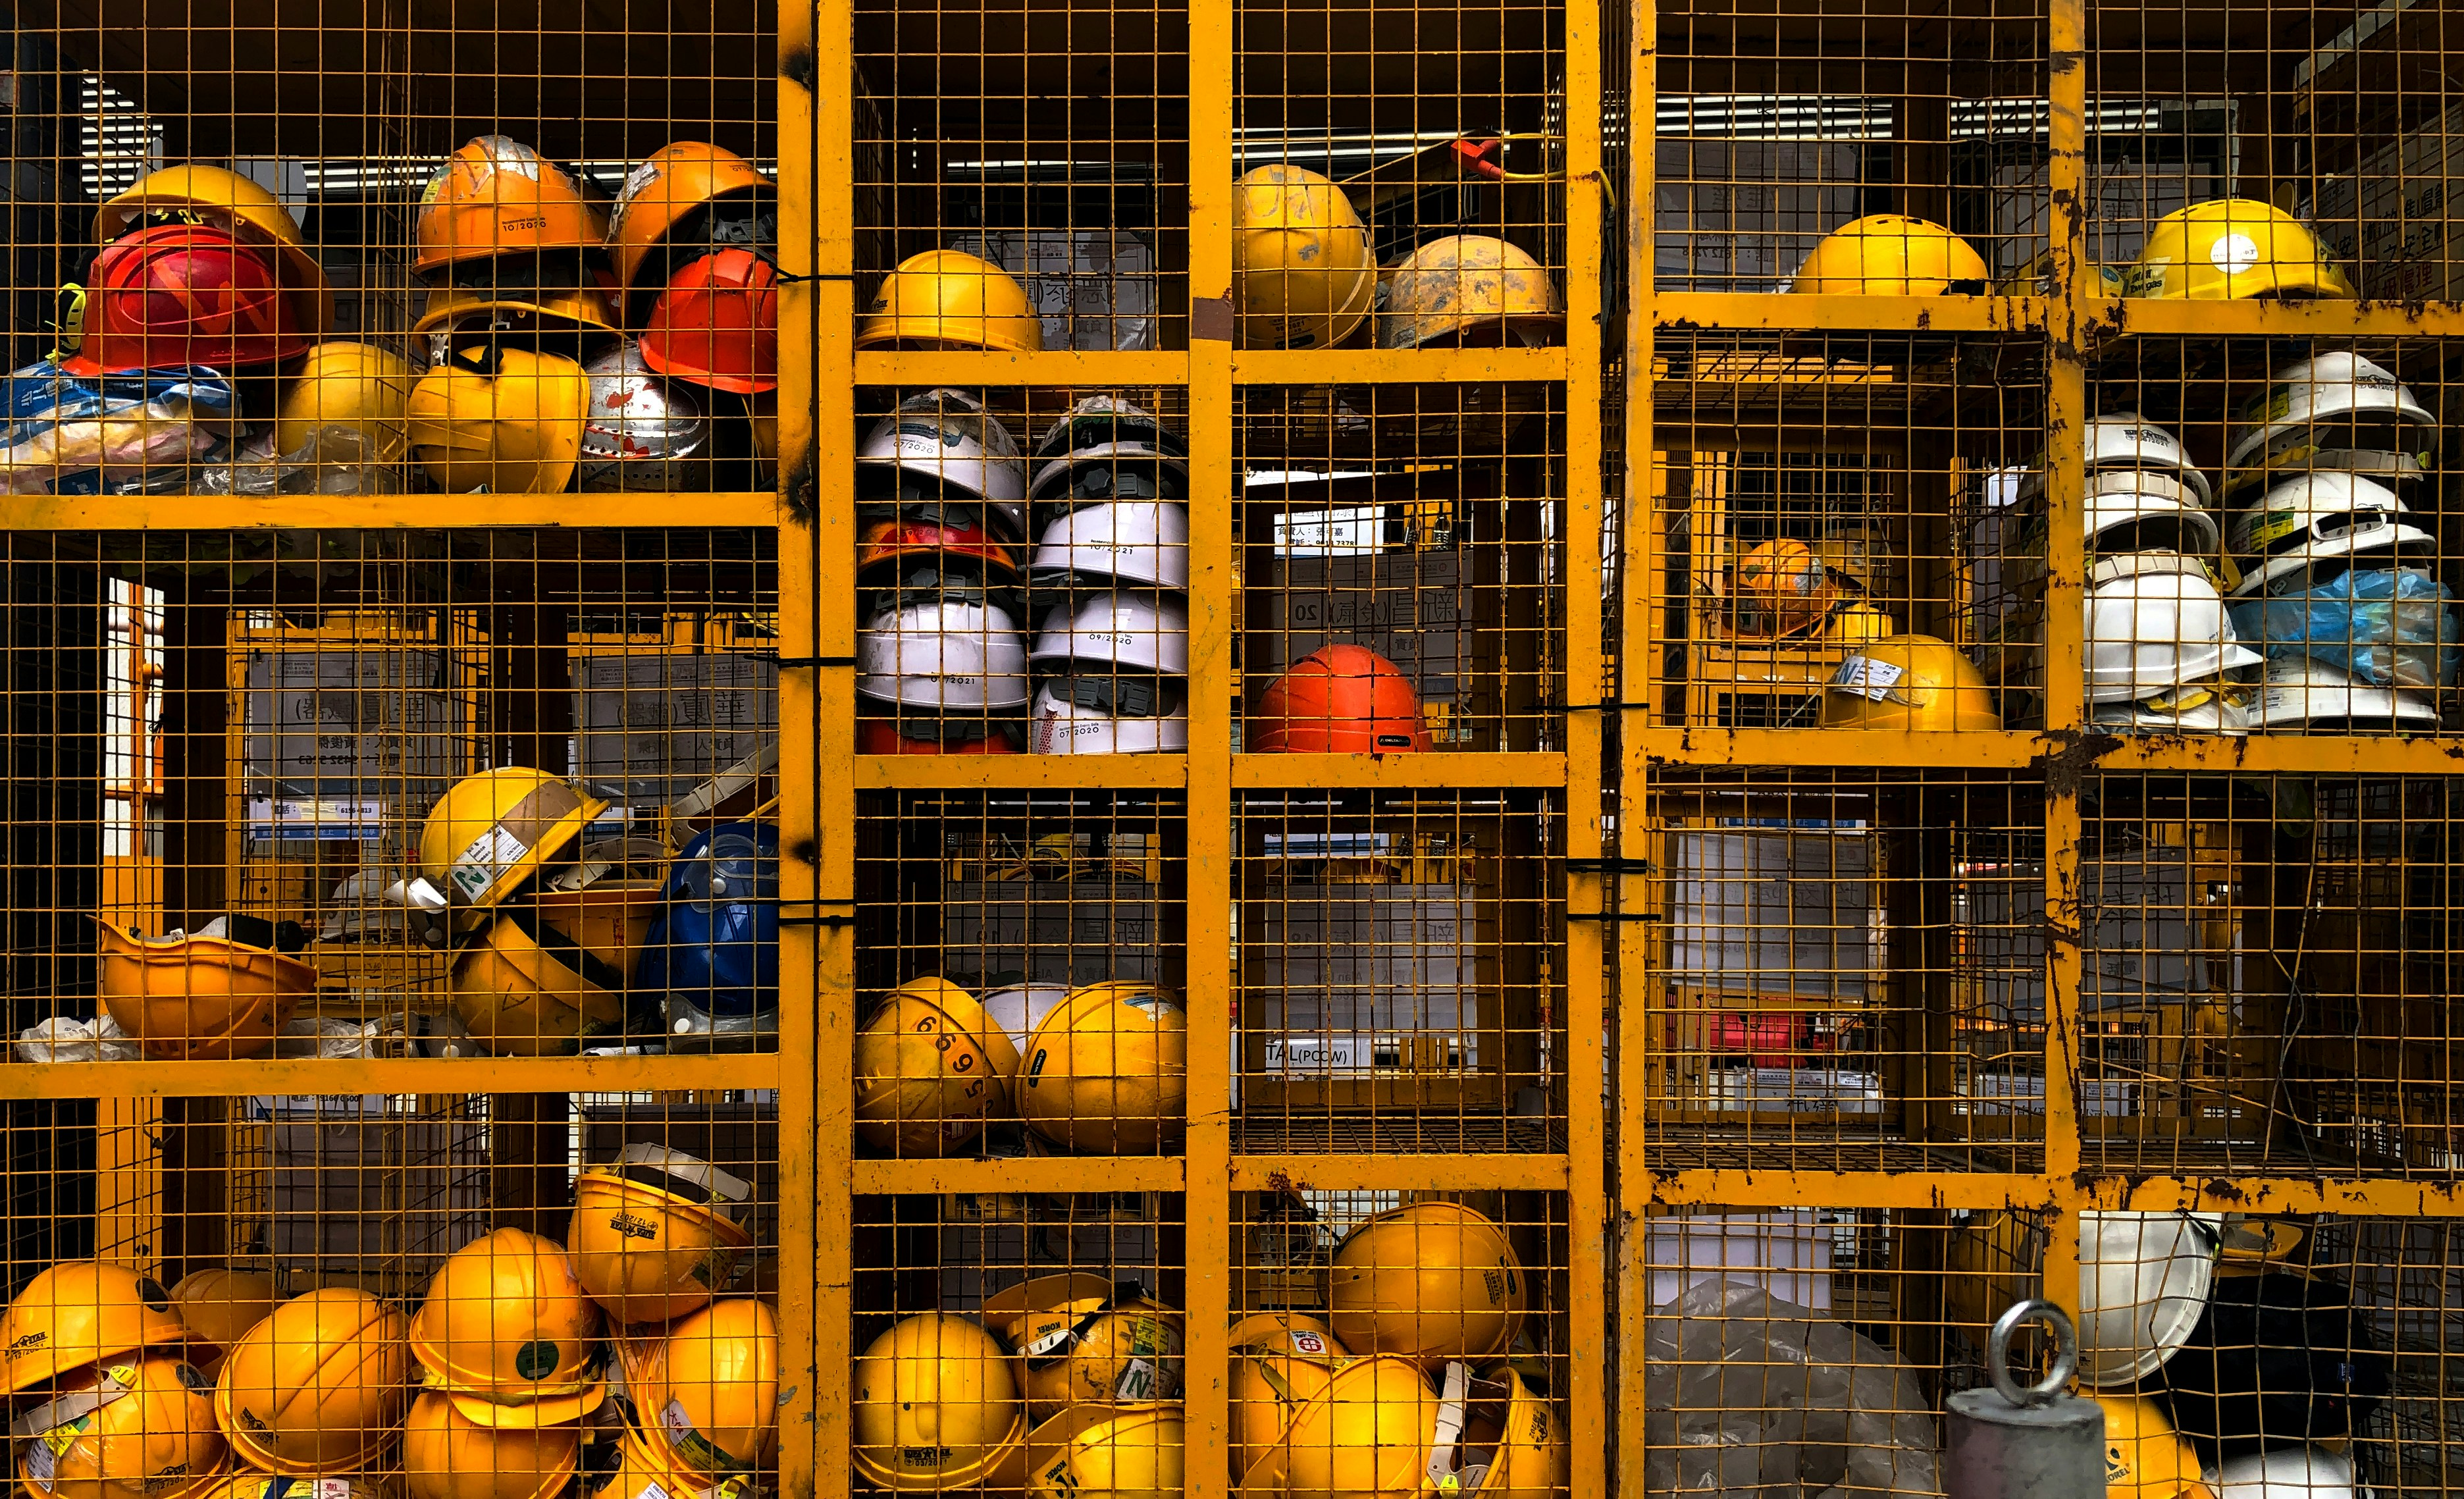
<point>1867,678</point>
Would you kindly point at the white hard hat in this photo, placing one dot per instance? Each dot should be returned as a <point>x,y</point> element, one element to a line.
<point>2143,1282</point>
<point>2302,1472</point>
<point>1022,1007</point>
<point>942,652</point>
<point>2306,695</point>
<point>1109,716</point>
<point>2394,470</point>
<point>1105,449</point>
<point>2210,707</point>
<point>1134,540</point>
<point>2126,441</point>
<point>2352,402</point>
<point>640,429</point>
<point>1127,629</point>
<point>2131,510</point>
<point>2155,622</point>
<point>946,437</point>
<point>2317,518</point>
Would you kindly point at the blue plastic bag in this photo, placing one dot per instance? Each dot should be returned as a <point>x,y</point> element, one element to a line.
<point>2390,627</point>
<point>143,432</point>
<point>716,942</point>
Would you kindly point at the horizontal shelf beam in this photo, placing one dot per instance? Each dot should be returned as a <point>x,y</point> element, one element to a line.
<point>1047,1175</point>
<point>2034,754</point>
<point>338,1076</point>
<point>1021,772</point>
<point>1402,1173</point>
<point>1368,367</point>
<point>1540,770</point>
<point>1785,312</point>
<point>597,512</point>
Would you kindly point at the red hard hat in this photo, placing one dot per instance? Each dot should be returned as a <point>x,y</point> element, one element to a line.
<point>717,323</point>
<point>884,736</point>
<point>907,536</point>
<point>1340,700</point>
<point>179,294</point>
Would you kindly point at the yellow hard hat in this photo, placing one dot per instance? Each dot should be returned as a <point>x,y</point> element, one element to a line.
<point>710,1389</point>
<point>1106,1452</point>
<point>493,830</point>
<point>198,998</point>
<point>2231,249</point>
<point>1890,254</point>
<point>1916,682</point>
<point>623,1462</point>
<point>139,1430</point>
<point>218,1307</point>
<point>1303,276</point>
<point>508,1332</point>
<point>219,195</point>
<point>930,1068</point>
<point>522,988</point>
<point>1107,1071</point>
<point>1469,289</point>
<point>445,1455</point>
<point>316,1387</point>
<point>1281,1360</point>
<point>936,1407</point>
<point>1856,622</point>
<point>656,1235</point>
<point>1430,1281</point>
<point>1367,1432</point>
<point>453,309</point>
<point>947,298</point>
<point>249,1483</point>
<point>1082,1339</point>
<point>78,1313</point>
<point>610,919</point>
<point>504,419</point>
<point>1509,1433</point>
<point>2145,1458</point>
<point>343,383</point>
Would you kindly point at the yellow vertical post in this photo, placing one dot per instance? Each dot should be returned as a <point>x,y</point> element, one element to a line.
<point>1214,697</point>
<point>2066,417</point>
<point>1588,1225</point>
<point>816,745</point>
<point>1638,565</point>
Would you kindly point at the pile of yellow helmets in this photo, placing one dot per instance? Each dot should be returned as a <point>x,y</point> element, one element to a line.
<point>1101,1069</point>
<point>1070,1385</point>
<point>542,951</point>
<point>501,1385</point>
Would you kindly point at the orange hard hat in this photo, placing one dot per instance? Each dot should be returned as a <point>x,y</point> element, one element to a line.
<point>671,184</point>
<point>497,196</point>
<point>913,535</point>
<point>1340,700</point>
<point>186,293</point>
<point>717,323</point>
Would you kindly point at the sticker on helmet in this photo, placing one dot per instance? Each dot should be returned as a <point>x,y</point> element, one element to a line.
<point>488,856</point>
<point>1866,677</point>
<point>2234,253</point>
<point>535,1360</point>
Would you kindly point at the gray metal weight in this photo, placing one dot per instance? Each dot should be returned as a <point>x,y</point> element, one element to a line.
<point>2034,1441</point>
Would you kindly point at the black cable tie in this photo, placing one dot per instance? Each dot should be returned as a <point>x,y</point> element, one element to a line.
<point>799,663</point>
<point>1617,864</point>
<point>1614,915</point>
<point>834,920</point>
<point>1611,707</point>
<point>799,278</point>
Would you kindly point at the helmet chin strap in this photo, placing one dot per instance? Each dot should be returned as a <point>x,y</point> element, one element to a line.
<point>1446,1438</point>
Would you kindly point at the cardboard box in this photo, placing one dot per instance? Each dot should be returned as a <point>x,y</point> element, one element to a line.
<point>1780,912</point>
<point>649,727</point>
<point>351,724</point>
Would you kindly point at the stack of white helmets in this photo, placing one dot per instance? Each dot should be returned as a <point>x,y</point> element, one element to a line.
<point>1110,569</point>
<point>941,662</point>
<point>2160,647</point>
<point>2334,582</point>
